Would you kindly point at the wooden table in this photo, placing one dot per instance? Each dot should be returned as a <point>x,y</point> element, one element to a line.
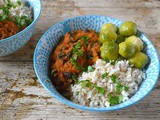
<point>23,97</point>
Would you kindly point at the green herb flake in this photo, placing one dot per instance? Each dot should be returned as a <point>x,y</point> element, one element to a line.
<point>100,89</point>
<point>74,77</point>
<point>68,96</point>
<point>80,52</point>
<point>87,83</point>
<point>125,88</point>
<point>85,39</point>
<point>24,17</point>
<point>76,53</point>
<point>19,3</point>
<point>85,69</point>
<point>114,79</point>
<point>78,45</point>
<point>28,21</point>
<point>91,69</point>
<point>77,93</point>
<point>105,75</point>
<point>20,21</point>
<point>113,62</point>
<point>73,61</point>
<point>75,57</point>
<point>114,100</point>
<point>118,88</point>
<point>9,4</point>
<point>84,83</point>
<point>54,73</point>
<point>106,60</point>
<point>48,81</point>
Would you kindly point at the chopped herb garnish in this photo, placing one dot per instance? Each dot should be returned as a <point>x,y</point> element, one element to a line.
<point>100,89</point>
<point>74,77</point>
<point>19,3</point>
<point>125,88</point>
<point>105,75</point>
<point>107,60</point>
<point>24,17</point>
<point>119,86</point>
<point>29,21</point>
<point>20,21</point>
<point>114,78</point>
<point>84,69</point>
<point>114,100</point>
<point>78,45</point>
<point>9,4</point>
<point>113,62</point>
<point>87,83</point>
<point>73,61</point>
<point>91,69</point>
<point>84,83</point>
<point>54,73</point>
<point>68,96</point>
<point>80,52</point>
<point>85,39</point>
<point>75,57</point>
<point>77,93</point>
<point>76,53</point>
<point>48,80</point>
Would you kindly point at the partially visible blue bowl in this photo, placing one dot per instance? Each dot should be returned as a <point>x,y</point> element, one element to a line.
<point>15,42</point>
<point>52,37</point>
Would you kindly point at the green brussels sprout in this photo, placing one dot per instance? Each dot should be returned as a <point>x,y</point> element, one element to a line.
<point>128,28</point>
<point>108,35</point>
<point>120,39</point>
<point>109,50</point>
<point>126,50</point>
<point>136,41</point>
<point>108,26</point>
<point>139,60</point>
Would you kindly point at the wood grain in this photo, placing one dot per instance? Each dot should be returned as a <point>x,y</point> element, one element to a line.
<point>23,98</point>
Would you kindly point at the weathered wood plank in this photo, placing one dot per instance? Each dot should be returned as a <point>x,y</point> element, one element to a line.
<point>103,3</point>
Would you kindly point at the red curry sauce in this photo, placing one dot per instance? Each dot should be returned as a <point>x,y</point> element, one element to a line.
<point>73,55</point>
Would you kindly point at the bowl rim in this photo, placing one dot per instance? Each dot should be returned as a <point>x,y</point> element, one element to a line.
<point>78,106</point>
<point>24,30</point>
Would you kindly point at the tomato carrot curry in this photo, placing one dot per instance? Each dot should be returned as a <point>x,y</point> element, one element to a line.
<point>7,29</point>
<point>73,55</point>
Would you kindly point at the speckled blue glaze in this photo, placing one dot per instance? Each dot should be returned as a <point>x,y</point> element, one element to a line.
<point>15,42</point>
<point>52,37</point>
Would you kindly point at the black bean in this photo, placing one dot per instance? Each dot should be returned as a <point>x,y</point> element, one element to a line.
<point>86,30</point>
<point>67,75</point>
<point>60,55</point>
<point>64,61</point>
<point>69,54</point>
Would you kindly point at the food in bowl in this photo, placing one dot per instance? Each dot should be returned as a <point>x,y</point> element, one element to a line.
<point>15,16</point>
<point>99,69</point>
<point>74,54</point>
<point>107,84</point>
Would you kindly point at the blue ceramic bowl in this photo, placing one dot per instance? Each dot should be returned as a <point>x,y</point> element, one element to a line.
<point>50,40</point>
<point>15,42</point>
